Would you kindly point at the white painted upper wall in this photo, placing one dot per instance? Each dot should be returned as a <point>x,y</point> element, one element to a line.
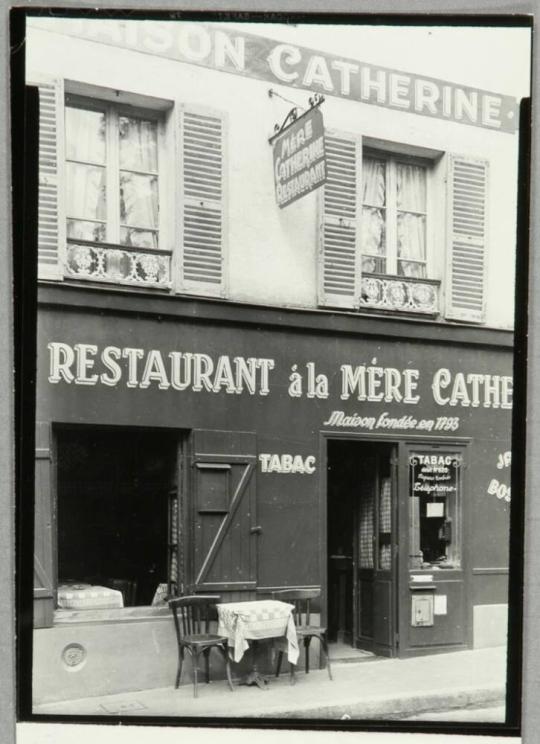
<point>272,252</point>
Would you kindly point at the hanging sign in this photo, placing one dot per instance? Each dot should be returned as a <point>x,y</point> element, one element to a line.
<point>299,158</point>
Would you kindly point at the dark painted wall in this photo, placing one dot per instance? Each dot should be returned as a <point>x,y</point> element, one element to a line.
<point>288,503</point>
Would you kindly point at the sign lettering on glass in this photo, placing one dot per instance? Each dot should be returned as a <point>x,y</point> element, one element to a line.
<point>299,158</point>
<point>434,475</point>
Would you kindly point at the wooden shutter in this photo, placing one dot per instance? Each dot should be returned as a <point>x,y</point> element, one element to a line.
<point>224,551</point>
<point>467,203</point>
<point>339,258</point>
<point>202,228</point>
<point>44,585</point>
<point>51,221</point>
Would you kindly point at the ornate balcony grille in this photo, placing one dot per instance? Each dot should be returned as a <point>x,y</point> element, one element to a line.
<point>397,293</point>
<point>103,262</point>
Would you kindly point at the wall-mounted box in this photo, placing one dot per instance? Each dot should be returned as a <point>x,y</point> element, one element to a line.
<point>422,609</point>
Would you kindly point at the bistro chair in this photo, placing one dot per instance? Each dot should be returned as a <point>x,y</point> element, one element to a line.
<point>301,599</point>
<point>192,616</point>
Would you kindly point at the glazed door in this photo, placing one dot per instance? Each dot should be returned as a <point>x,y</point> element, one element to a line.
<point>375,553</point>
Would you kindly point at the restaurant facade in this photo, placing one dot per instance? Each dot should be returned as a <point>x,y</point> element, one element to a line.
<point>266,358</point>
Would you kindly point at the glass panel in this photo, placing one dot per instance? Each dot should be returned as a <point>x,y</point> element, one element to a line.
<point>138,200</point>
<point>373,231</point>
<point>411,243</point>
<point>138,144</point>
<point>138,238</point>
<point>373,265</point>
<point>80,230</point>
<point>435,493</point>
<point>86,191</point>
<point>385,524</point>
<point>366,528</point>
<point>85,135</point>
<point>374,179</point>
<point>412,270</point>
<point>411,187</point>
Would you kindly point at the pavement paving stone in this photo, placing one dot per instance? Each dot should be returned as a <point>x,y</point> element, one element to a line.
<point>383,689</point>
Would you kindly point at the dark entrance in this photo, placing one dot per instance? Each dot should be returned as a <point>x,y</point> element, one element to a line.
<point>362,550</point>
<point>114,500</point>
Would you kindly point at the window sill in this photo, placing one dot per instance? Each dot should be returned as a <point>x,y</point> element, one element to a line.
<point>119,615</point>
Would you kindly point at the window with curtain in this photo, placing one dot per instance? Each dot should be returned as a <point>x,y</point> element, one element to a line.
<point>112,175</point>
<point>394,206</point>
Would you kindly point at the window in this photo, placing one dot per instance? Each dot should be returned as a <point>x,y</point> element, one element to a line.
<point>394,205</point>
<point>435,509</point>
<point>402,231</point>
<point>112,179</point>
<point>132,190</point>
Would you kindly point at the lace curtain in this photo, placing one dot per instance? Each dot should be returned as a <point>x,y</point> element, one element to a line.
<point>410,207</point>
<point>374,215</point>
<point>411,226</point>
<point>86,174</point>
<point>138,191</point>
<point>138,198</point>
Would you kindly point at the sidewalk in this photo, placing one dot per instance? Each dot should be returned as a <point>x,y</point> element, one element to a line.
<point>379,689</point>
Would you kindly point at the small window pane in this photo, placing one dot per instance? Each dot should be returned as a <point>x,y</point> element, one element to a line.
<point>385,524</point>
<point>139,200</point>
<point>85,135</point>
<point>138,238</point>
<point>412,270</point>
<point>374,231</point>
<point>80,230</point>
<point>138,144</point>
<point>366,529</point>
<point>411,244</point>
<point>411,187</point>
<point>374,180</point>
<point>86,191</point>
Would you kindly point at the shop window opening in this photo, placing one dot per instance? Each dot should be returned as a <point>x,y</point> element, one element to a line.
<point>117,517</point>
<point>434,513</point>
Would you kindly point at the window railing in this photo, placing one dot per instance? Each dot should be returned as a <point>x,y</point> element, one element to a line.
<point>398,293</point>
<point>106,262</point>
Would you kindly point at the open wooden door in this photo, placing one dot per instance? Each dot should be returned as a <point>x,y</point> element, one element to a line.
<point>44,528</point>
<point>375,551</point>
<point>222,513</point>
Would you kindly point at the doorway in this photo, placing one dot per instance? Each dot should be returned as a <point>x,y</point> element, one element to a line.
<point>362,545</point>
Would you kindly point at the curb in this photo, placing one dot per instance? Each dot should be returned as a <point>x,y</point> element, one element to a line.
<point>399,706</point>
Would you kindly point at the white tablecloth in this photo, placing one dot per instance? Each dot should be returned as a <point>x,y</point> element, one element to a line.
<point>88,597</point>
<point>257,620</point>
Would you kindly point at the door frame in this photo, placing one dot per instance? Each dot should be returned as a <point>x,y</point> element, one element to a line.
<point>424,443</point>
<point>325,438</point>
<point>401,569</point>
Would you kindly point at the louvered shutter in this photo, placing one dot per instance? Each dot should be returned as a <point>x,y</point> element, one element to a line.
<point>467,202</point>
<point>339,258</point>
<point>202,145</point>
<point>51,222</point>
